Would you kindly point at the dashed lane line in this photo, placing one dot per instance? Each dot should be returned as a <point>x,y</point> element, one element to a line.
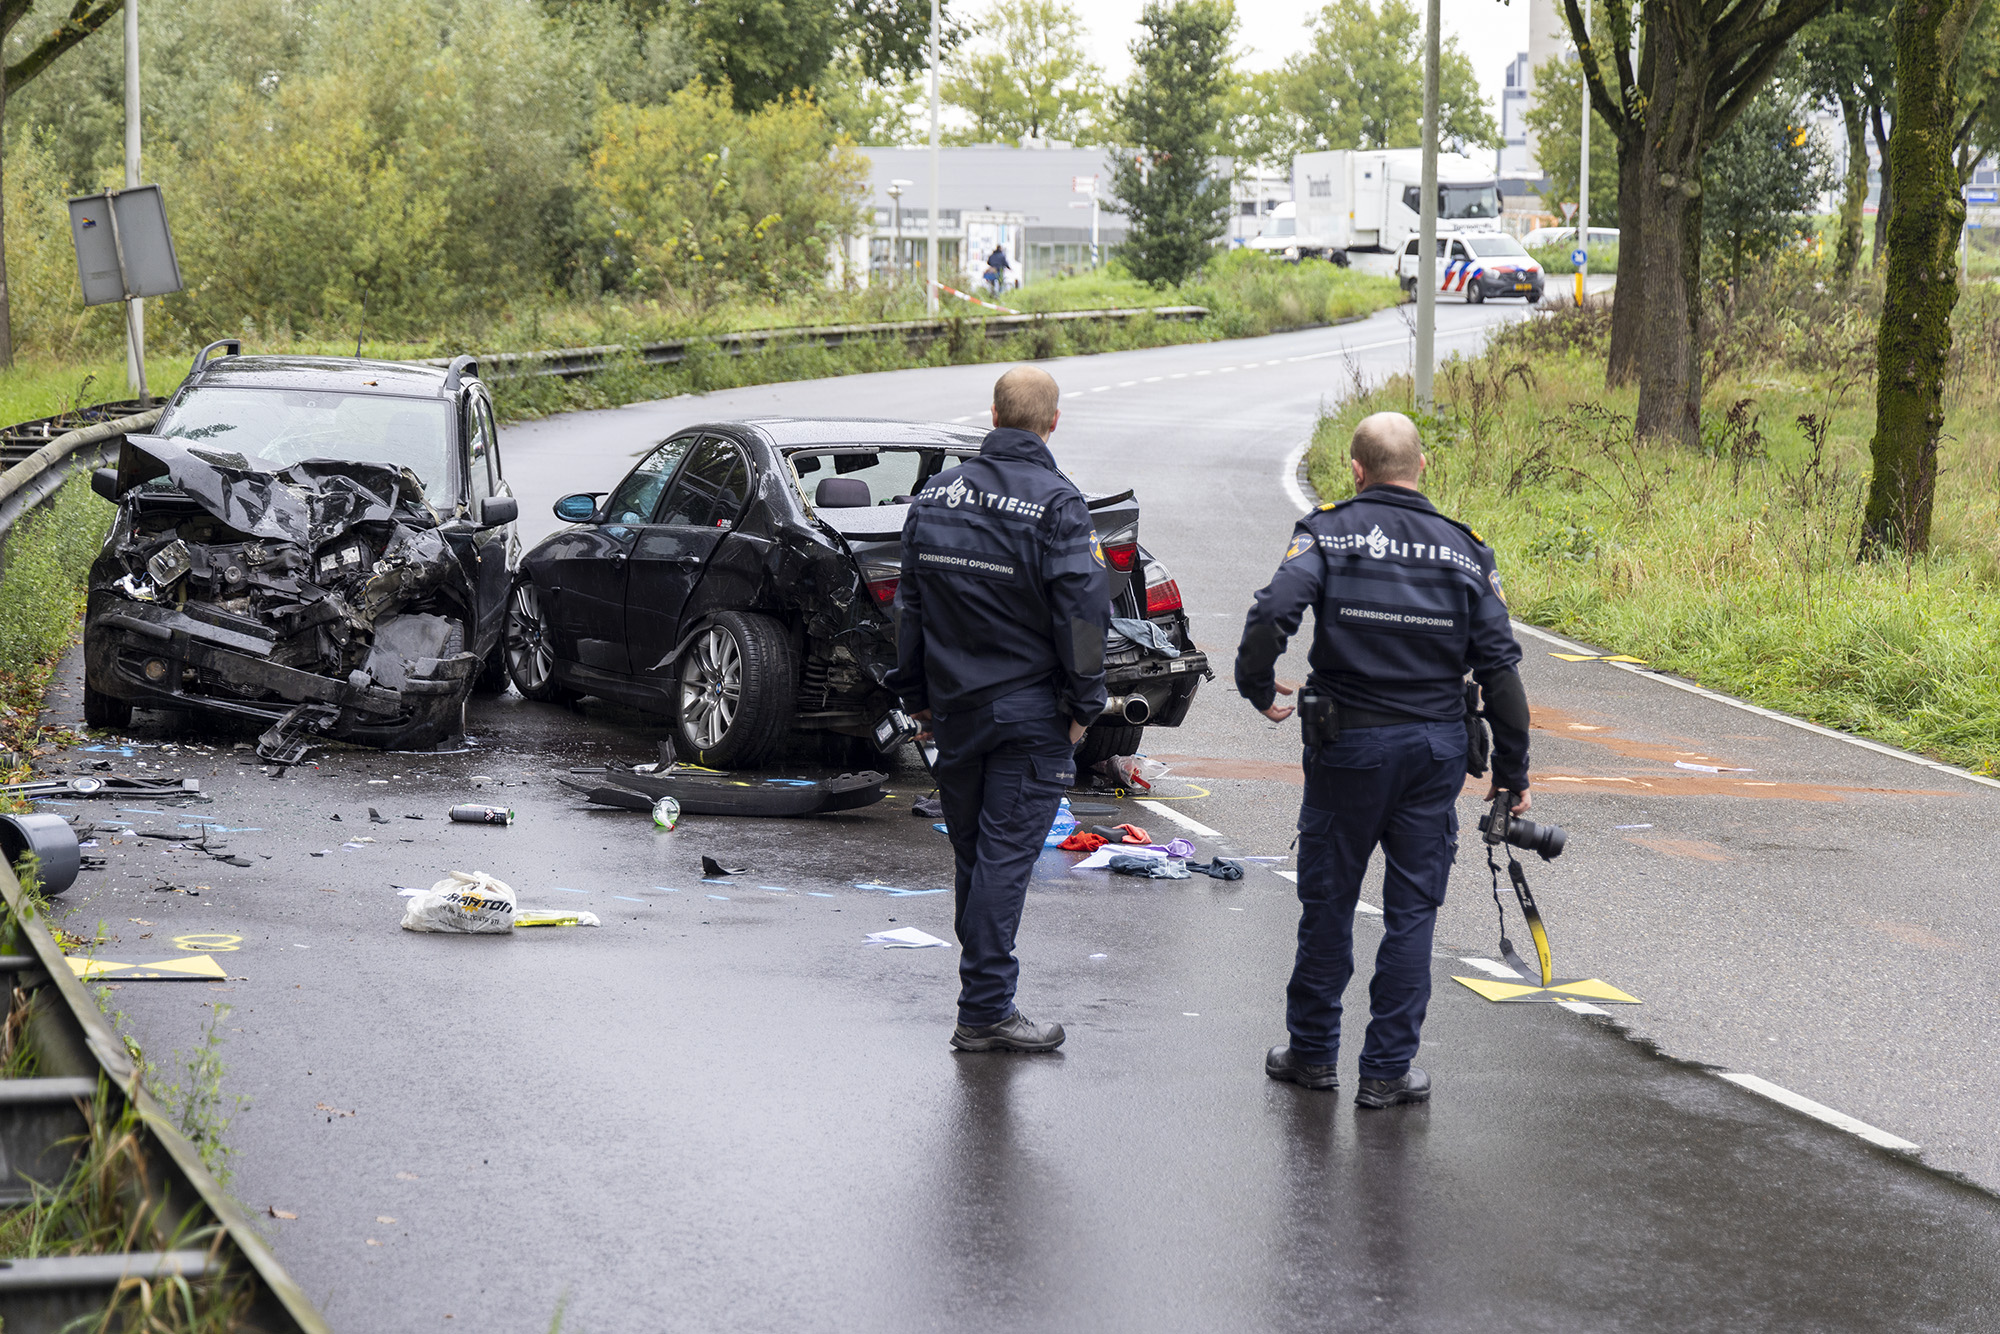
<point>1818,1111</point>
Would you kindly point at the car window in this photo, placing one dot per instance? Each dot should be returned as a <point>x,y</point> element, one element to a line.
<point>639,493</point>
<point>888,473</point>
<point>711,489</point>
<point>478,450</point>
<point>1411,248</point>
<point>1458,250</point>
<point>275,428</point>
<point>1498,247</point>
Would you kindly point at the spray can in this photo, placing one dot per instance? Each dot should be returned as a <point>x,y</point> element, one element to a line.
<point>482,815</point>
<point>666,813</point>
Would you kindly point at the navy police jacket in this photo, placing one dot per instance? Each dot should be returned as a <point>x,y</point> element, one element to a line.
<point>1003,586</point>
<point>1405,602</point>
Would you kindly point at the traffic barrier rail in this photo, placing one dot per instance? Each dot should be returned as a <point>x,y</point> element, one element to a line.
<point>78,1056</point>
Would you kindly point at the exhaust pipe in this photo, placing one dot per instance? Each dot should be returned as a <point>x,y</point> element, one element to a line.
<point>1132,708</point>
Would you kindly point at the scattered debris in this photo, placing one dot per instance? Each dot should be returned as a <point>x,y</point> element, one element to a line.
<point>481,815</point>
<point>1180,847</point>
<point>335,1110</point>
<point>666,813</point>
<point>904,938</point>
<point>1711,768</point>
<point>553,917</point>
<point>928,808</point>
<point>276,1212</point>
<point>109,786</point>
<point>711,869</point>
<point>1220,869</point>
<point>1156,868</point>
<point>710,793</point>
<point>1082,842</point>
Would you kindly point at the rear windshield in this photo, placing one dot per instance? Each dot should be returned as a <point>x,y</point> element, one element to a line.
<point>276,428</point>
<point>891,475</point>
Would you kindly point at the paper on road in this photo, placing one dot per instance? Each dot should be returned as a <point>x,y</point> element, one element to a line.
<point>904,938</point>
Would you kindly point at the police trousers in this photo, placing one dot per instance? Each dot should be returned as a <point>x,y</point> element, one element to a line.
<point>1394,787</point>
<point>1002,769</point>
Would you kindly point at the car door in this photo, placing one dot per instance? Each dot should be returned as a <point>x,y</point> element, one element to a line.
<point>668,558</point>
<point>493,547</point>
<point>587,581</point>
<point>1458,266</point>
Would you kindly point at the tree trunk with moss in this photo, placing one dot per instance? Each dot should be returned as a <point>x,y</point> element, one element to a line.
<point>1913,346</point>
<point>1854,198</point>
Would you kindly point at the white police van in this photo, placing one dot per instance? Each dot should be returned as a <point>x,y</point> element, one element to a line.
<point>1475,267</point>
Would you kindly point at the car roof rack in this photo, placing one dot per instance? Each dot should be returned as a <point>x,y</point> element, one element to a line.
<point>461,365</point>
<point>231,347</point>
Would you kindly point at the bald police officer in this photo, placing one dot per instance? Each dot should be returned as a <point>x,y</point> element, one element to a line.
<point>1001,615</point>
<point>1405,602</point>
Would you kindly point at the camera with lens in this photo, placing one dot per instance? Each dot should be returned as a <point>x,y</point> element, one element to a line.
<point>1501,825</point>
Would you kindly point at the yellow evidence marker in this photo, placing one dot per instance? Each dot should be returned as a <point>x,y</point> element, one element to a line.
<point>199,968</point>
<point>1590,990</point>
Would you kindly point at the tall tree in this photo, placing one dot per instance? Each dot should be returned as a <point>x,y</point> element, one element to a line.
<point>1173,115</point>
<point>1026,75</point>
<point>1556,118</point>
<point>1360,85</point>
<point>84,18</point>
<point>1921,284</point>
<point>1700,63</point>
<point>1844,60</point>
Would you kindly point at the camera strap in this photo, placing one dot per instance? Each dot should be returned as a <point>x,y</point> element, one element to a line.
<point>1529,913</point>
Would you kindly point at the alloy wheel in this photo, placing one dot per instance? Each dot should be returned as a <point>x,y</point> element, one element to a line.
<point>711,687</point>
<point>530,658</point>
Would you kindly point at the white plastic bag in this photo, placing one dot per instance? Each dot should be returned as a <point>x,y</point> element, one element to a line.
<point>1135,772</point>
<point>466,902</point>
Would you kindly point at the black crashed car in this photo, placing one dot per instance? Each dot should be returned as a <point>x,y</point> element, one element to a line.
<point>741,580</point>
<point>324,544</point>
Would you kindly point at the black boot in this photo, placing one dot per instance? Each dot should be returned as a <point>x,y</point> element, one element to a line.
<point>1016,1032</point>
<point>1414,1086</point>
<point>1280,1063</point>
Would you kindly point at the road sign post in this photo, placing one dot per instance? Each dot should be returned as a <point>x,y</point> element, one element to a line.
<point>124,252</point>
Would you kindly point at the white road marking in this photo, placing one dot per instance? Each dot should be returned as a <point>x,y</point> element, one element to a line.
<point>1583,1007</point>
<point>1178,375</point>
<point>1207,372</point>
<point>1188,823</point>
<point>1153,379</point>
<point>1489,966</point>
<point>1772,714</point>
<point>1361,905</point>
<point>1074,393</point>
<point>1100,388</point>
<point>1126,384</point>
<point>1224,370</point>
<point>1818,1111</point>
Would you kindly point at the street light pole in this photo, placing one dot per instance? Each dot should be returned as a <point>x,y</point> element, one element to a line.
<point>896,232</point>
<point>135,309</point>
<point>1583,183</point>
<point>931,252</point>
<point>1427,225</point>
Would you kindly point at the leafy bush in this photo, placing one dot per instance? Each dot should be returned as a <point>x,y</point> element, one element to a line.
<point>703,202</point>
<point>47,560</point>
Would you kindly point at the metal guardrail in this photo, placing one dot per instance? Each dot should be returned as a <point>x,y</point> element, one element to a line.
<point>20,441</point>
<point>32,481</point>
<point>77,1053</point>
<point>574,361</point>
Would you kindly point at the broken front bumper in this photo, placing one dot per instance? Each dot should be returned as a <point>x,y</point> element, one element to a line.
<point>164,657</point>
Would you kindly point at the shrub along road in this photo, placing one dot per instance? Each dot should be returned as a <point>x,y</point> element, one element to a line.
<point>722,1110</point>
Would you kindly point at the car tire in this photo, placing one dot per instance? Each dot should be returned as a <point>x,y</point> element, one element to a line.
<point>736,686</point>
<point>1475,293</point>
<point>529,648</point>
<point>493,675</point>
<point>1105,740</point>
<point>102,710</point>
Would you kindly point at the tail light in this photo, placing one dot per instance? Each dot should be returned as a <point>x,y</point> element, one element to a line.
<point>882,579</point>
<point>1162,593</point>
<point>1121,549</point>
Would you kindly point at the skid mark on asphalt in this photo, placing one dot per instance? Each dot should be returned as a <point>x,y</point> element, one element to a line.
<point>1691,849</point>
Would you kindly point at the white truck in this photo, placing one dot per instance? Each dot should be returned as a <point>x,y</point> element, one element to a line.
<point>1353,202</point>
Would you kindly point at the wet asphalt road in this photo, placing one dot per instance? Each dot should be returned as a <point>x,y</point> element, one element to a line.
<point>721,1110</point>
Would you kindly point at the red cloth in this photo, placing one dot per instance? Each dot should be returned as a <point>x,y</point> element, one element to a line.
<point>1134,834</point>
<point>1082,841</point>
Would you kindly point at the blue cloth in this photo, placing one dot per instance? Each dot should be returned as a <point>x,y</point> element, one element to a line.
<point>1001,771</point>
<point>1405,602</point>
<point>1004,586</point>
<point>1397,787</point>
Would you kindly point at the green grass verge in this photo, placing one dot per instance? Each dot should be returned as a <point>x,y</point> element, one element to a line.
<point>1732,565</point>
<point>1555,259</point>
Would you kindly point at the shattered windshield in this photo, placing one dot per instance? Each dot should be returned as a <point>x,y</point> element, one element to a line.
<point>280,427</point>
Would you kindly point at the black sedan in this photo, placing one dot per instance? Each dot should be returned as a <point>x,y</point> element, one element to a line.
<point>741,580</point>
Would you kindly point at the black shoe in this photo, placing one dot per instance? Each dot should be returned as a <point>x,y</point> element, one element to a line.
<point>1279,1063</point>
<point>1414,1086</point>
<point>1016,1032</point>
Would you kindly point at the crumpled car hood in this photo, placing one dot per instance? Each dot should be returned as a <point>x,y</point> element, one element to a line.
<point>309,503</point>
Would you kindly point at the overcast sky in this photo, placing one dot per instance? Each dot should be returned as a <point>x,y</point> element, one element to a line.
<point>1490,32</point>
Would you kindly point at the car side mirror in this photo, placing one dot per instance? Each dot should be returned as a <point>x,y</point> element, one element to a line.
<point>104,481</point>
<point>579,508</point>
<point>497,510</point>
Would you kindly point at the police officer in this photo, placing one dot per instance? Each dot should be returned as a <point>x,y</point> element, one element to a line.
<point>1405,602</point>
<point>1001,615</point>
